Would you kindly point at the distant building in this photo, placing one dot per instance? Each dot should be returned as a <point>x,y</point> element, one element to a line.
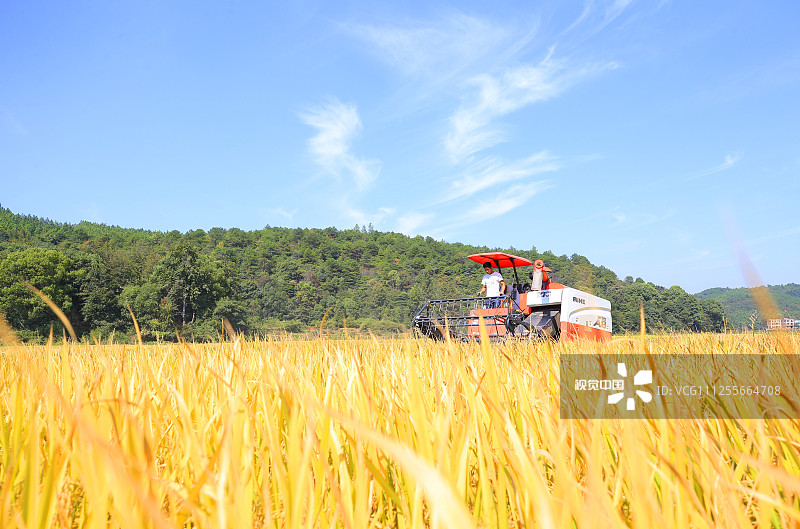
<point>783,323</point>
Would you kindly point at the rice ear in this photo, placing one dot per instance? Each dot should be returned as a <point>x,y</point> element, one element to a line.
<point>135,324</point>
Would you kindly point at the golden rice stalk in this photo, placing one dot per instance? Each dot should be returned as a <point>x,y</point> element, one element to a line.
<point>57,311</point>
<point>228,328</point>
<point>372,433</point>
<point>448,510</point>
<point>7,334</point>
<point>135,325</point>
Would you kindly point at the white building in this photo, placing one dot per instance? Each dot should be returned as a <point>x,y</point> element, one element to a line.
<point>783,323</point>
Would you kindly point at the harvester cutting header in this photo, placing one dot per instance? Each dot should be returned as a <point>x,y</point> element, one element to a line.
<point>539,308</point>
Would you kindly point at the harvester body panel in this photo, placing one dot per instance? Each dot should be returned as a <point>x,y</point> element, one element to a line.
<point>580,313</point>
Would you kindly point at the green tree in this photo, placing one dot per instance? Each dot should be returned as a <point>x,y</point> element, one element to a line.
<point>153,312</point>
<point>713,315</point>
<point>189,282</point>
<point>108,270</point>
<point>262,279</point>
<point>235,311</point>
<point>48,270</point>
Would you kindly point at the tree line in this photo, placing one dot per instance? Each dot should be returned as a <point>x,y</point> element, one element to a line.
<point>742,310</point>
<point>274,279</point>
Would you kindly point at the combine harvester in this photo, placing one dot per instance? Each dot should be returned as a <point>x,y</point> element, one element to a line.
<point>540,309</point>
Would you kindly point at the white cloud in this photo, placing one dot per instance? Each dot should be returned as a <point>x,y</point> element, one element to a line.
<point>337,125</point>
<point>410,223</point>
<point>455,45</point>
<point>491,173</point>
<point>481,64</point>
<point>730,161</point>
<point>364,218</point>
<point>471,128</point>
<point>793,233</point>
<point>482,61</point>
<point>632,221</point>
<point>594,17</point>
<point>283,213</point>
<point>617,7</point>
<point>507,200</point>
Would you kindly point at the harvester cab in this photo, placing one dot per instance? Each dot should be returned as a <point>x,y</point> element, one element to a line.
<point>537,308</point>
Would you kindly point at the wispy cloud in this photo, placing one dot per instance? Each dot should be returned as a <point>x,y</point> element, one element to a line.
<point>289,215</point>
<point>363,217</point>
<point>730,161</point>
<point>454,45</point>
<point>619,218</point>
<point>494,205</point>
<point>471,128</point>
<point>758,81</point>
<point>508,190</point>
<point>792,233</point>
<point>492,173</point>
<point>337,125</point>
<point>629,221</point>
<point>616,8</point>
<point>484,66</point>
<point>507,200</point>
<point>594,17</point>
<point>410,223</point>
<point>507,87</point>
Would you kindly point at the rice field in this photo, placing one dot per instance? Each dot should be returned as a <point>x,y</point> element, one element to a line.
<point>362,433</point>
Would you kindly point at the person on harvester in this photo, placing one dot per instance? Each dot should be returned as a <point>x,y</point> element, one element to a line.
<point>493,284</point>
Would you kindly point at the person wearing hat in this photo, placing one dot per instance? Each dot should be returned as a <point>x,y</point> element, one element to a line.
<point>493,284</point>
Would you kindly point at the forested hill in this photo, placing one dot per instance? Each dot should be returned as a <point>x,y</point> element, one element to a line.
<point>742,310</point>
<point>274,279</point>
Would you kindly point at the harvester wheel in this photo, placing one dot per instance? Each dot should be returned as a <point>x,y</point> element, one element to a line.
<point>522,330</point>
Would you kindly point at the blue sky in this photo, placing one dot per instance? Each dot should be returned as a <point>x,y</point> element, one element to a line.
<point>659,139</point>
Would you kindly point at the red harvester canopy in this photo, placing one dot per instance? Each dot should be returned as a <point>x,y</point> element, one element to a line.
<point>499,259</point>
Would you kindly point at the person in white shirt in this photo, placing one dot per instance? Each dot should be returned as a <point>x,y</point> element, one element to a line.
<point>493,284</point>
